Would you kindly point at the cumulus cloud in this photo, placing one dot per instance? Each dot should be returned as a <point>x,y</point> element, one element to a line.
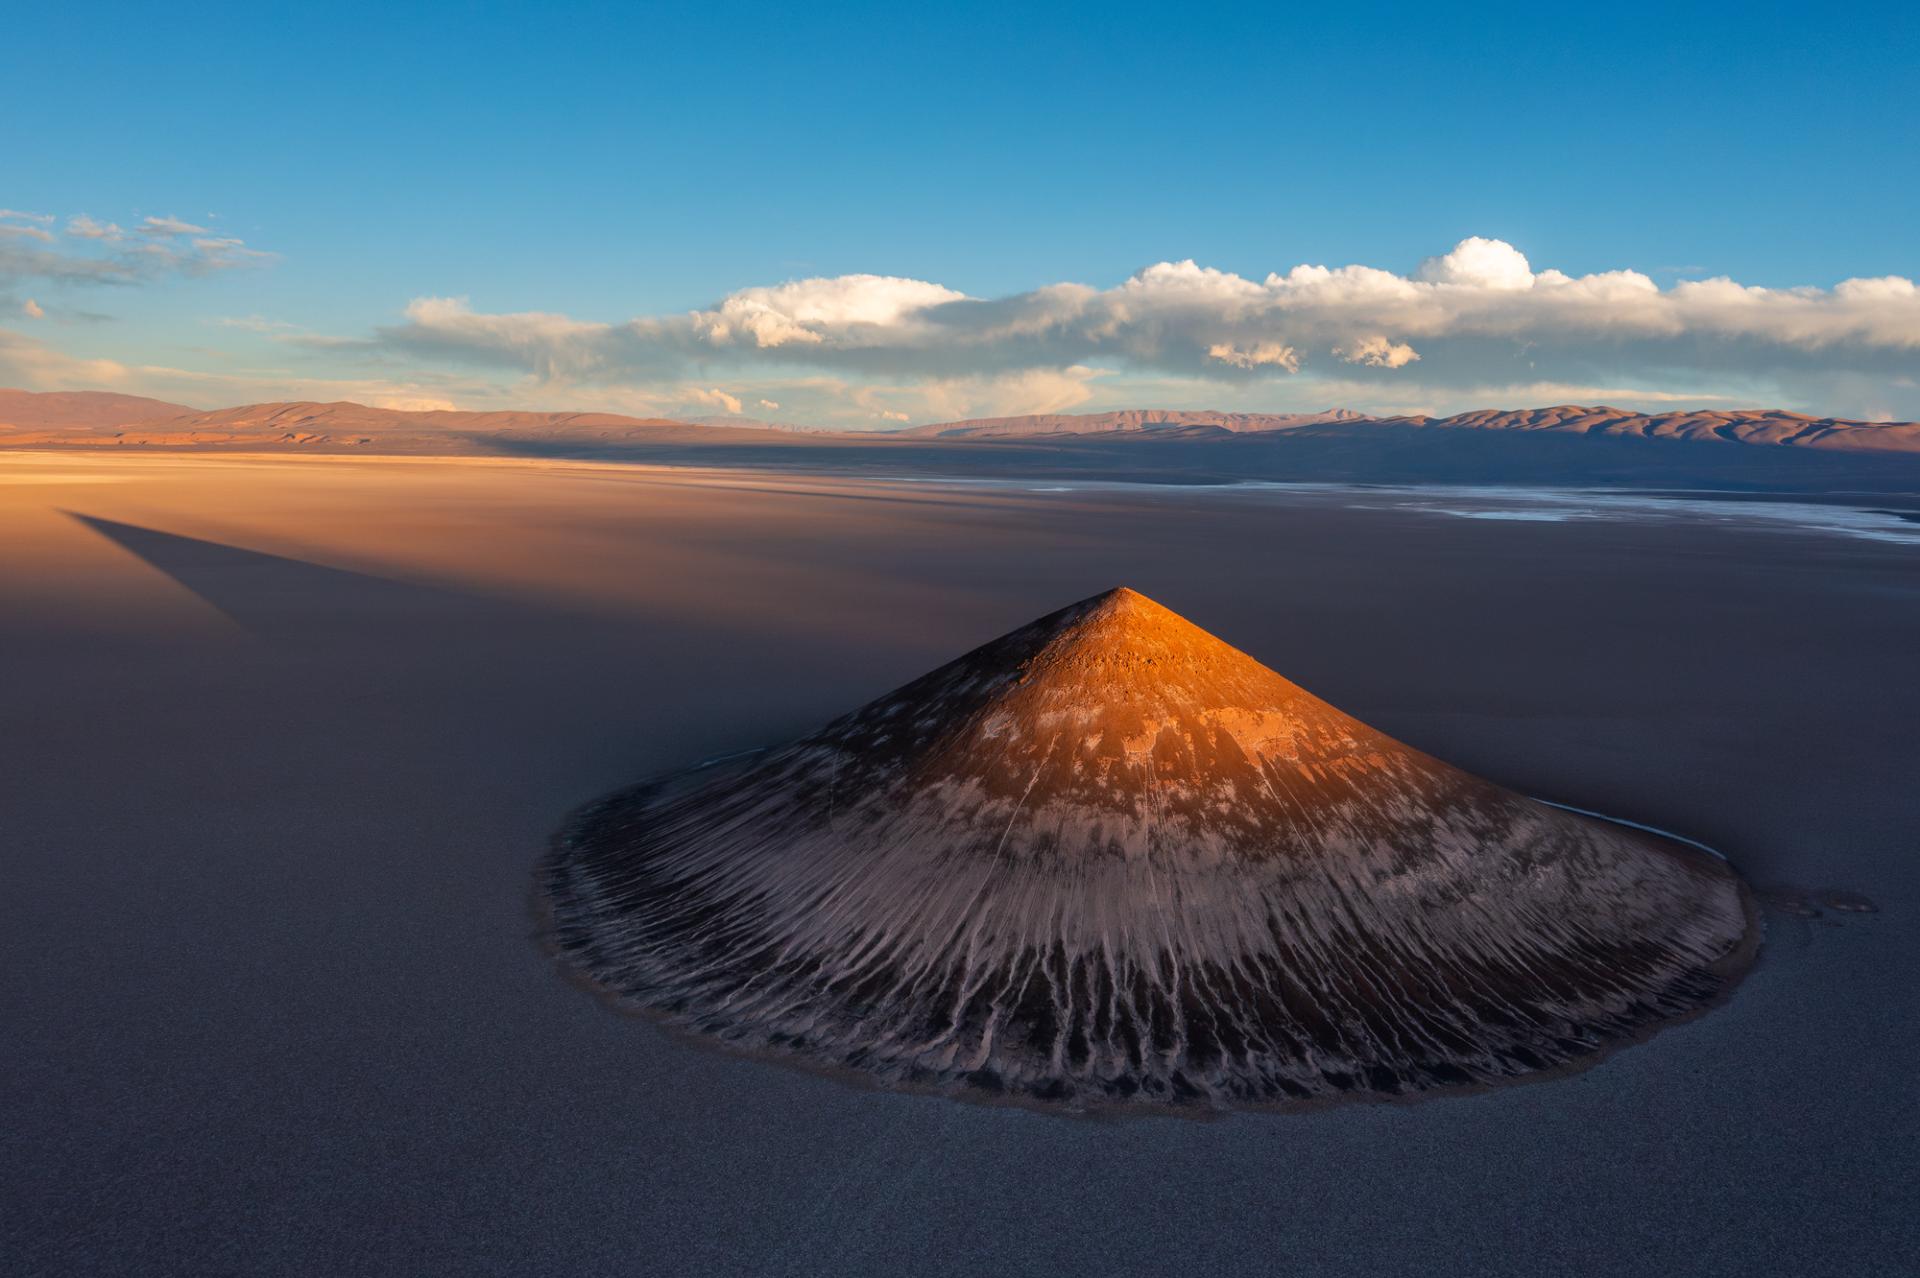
<point>1259,355</point>
<point>767,403</point>
<point>1476,315</point>
<point>1377,352</point>
<point>32,309</point>
<point>810,311</point>
<point>1478,263</point>
<point>716,399</point>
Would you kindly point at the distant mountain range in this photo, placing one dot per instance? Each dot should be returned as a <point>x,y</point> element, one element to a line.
<point>1750,426</point>
<point>1746,426</point>
<point>81,419</point>
<point>1758,450</point>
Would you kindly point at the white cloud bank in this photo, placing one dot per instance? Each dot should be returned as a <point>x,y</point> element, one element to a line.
<point>1474,326</point>
<point>1475,316</point>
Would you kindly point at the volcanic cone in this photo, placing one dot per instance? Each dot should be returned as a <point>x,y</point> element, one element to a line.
<point>1109,858</point>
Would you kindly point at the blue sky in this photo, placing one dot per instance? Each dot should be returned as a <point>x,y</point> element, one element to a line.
<point>608,162</point>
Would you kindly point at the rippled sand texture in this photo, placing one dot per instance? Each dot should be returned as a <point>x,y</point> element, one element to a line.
<point>1108,858</point>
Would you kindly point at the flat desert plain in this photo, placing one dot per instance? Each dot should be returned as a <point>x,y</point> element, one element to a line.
<point>284,739</point>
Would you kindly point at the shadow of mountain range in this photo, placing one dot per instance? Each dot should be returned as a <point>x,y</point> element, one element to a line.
<point>1360,453</point>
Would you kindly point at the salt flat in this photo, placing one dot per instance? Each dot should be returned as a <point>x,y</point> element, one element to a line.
<point>285,738</point>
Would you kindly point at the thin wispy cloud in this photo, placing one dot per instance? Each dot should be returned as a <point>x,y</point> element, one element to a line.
<point>170,226</point>
<point>83,227</point>
<point>26,361</point>
<point>29,362</point>
<point>256,324</point>
<point>87,250</point>
<point>24,226</point>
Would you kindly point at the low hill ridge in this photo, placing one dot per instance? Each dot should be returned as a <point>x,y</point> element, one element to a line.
<point>61,411</point>
<point>337,424</point>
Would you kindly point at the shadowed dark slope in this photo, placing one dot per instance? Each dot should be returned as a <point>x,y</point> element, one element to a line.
<point>1108,858</point>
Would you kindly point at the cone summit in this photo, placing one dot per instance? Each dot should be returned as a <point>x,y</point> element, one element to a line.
<point>1110,858</point>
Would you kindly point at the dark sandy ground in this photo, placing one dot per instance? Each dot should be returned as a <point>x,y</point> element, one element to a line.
<point>284,739</point>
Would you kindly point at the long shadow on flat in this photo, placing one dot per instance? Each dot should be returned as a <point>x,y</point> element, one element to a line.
<point>274,597</point>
